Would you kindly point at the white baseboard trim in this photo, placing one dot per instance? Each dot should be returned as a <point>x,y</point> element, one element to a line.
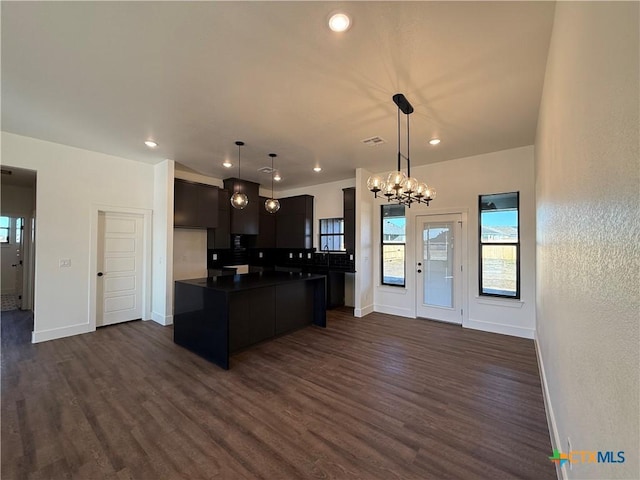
<point>399,311</point>
<point>499,328</point>
<point>54,333</point>
<point>162,319</point>
<point>362,312</point>
<point>548,408</point>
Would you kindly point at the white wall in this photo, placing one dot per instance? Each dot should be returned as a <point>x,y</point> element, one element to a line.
<point>365,247</point>
<point>71,182</point>
<point>162,304</point>
<point>458,184</point>
<point>189,253</point>
<point>588,184</point>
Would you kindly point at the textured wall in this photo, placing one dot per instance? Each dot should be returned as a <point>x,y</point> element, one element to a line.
<point>587,182</point>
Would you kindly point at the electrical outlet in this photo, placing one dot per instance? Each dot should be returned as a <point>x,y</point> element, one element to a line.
<point>351,256</point>
<point>215,256</point>
<point>65,262</point>
<point>300,255</point>
<point>309,256</point>
<point>290,255</point>
<point>569,452</point>
<point>259,254</point>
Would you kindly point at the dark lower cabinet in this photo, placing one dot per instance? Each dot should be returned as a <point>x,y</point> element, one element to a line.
<point>295,306</point>
<point>252,317</point>
<point>215,317</point>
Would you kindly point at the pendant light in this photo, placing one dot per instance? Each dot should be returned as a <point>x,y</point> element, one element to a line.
<point>398,187</point>
<point>272,205</point>
<point>239,200</point>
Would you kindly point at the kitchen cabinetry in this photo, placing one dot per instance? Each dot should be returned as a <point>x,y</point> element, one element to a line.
<point>195,205</point>
<point>267,227</point>
<point>246,221</point>
<point>349,214</point>
<point>294,222</point>
<point>220,237</point>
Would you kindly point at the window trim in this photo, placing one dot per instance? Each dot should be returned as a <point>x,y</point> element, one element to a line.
<point>482,294</point>
<point>9,230</point>
<point>321,235</point>
<point>383,244</point>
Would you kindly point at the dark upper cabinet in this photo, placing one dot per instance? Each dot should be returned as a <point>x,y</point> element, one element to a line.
<point>267,227</point>
<point>220,237</point>
<point>349,214</point>
<point>294,222</point>
<point>246,221</point>
<point>195,205</point>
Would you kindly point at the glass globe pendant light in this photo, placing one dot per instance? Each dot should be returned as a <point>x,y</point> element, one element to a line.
<point>272,205</point>
<point>239,200</point>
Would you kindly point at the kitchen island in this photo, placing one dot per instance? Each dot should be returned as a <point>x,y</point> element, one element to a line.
<point>218,316</point>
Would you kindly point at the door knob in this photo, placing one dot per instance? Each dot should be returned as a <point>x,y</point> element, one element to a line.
<point>100,274</point>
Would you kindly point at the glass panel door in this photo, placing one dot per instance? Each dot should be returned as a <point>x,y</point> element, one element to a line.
<point>439,263</point>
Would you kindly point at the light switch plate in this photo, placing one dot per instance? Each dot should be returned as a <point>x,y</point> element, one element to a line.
<point>215,256</point>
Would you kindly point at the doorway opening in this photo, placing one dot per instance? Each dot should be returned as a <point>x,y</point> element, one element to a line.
<point>17,238</point>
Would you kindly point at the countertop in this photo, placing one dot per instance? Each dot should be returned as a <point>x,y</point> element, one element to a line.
<point>247,281</point>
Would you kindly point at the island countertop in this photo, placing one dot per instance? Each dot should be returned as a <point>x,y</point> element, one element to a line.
<point>218,316</point>
<point>248,281</point>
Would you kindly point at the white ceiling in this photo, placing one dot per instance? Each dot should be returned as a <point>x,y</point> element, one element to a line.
<point>197,76</point>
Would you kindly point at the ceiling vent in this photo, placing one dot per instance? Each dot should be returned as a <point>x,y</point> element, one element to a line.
<point>267,170</point>
<point>374,141</point>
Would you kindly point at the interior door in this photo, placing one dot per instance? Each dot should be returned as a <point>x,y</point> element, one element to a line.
<point>439,267</point>
<point>119,285</point>
<point>19,265</point>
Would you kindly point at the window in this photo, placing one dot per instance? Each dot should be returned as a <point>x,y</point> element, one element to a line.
<point>393,244</point>
<point>500,245</point>
<point>5,222</point>
<point>332,234</point>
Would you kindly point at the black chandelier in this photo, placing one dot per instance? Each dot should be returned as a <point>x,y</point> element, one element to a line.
<point>398,187</point>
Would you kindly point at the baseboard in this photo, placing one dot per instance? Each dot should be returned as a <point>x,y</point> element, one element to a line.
<point>362,312</point>
<point>162,319</point>
<point>556,444</point>
<point>54,333</point>
<point>499,328</point>
<point>399,311</point>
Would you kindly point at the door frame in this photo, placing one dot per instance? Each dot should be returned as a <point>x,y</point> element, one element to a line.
<point>464,242</point>
<point>93,259</point>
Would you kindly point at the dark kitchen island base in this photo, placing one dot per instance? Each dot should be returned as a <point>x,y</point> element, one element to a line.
<point>216,317</point>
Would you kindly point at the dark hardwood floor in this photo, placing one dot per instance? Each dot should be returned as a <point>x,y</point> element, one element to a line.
<point>380,397</point>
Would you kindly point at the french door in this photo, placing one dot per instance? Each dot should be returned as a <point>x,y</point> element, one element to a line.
<point>439,267</point>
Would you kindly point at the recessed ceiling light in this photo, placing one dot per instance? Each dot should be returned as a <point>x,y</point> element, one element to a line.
<point>434,141</point>
<point>339,22</point>
<point>277,177</point>
<point>151,144</point>
<point>227,164</point>
<point>317,169</point>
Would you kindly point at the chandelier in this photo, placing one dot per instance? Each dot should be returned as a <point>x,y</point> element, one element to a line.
<point>398,187</point>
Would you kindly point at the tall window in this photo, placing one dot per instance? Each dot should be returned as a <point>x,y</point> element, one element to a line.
<point>332,234</point>
<point>393,242</point>
<point>5,223</point>
<point>500,245</point>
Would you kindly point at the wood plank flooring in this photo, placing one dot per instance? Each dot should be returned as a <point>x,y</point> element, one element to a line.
<point>379,397</point>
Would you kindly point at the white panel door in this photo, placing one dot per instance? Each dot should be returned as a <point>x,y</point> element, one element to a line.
<point>439,267</point>
<point>119,294</point>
